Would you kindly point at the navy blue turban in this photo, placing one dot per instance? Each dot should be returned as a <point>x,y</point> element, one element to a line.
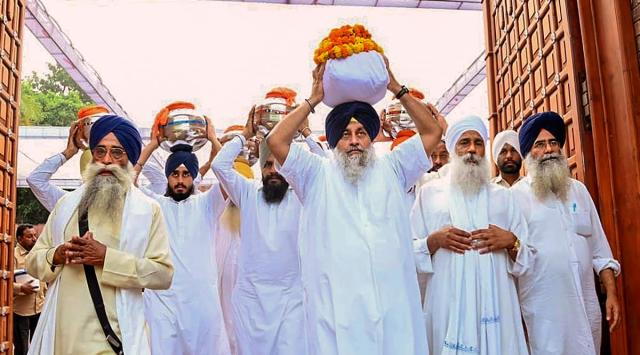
<point>182,155</point>
<point>339,118</point>
<point>127,134</point>
<point>532,126</point>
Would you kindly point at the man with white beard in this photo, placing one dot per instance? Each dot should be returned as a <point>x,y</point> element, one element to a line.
<point>358,273</point>
<point>471,237</point>
<point>124,251</point>
<point>558,296</point>
<point>267,298</point>
<point>187,319</point>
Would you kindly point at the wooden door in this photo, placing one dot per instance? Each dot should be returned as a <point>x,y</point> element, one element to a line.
<point>534,64</point>
<point>11,27</point>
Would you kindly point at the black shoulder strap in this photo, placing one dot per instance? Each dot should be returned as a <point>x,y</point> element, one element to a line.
<point>96,295</point>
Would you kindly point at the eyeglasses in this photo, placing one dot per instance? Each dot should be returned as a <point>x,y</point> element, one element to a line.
<point>115,153</point>
<point>543,144</point>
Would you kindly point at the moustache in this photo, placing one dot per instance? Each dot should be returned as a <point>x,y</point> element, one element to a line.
<point>273,176</point>
<point>180,185</point>
<point>355,150</point>
<point>548,158</point>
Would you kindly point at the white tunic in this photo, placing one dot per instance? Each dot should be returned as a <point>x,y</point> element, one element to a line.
<point>187,318</point>
<point>558,297</point>
<point>359,277</point>
<point>471,303</point>
<point>267,299</point>
<point>227,247</point>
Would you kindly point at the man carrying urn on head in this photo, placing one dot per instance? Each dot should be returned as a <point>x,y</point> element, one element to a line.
<point>356,256</point>
<point>187,318</point>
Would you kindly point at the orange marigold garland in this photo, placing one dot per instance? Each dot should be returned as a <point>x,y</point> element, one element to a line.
<point>345,41</point>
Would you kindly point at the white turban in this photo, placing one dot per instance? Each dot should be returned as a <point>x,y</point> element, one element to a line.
<point>457,129</point>
<point>505,137</point>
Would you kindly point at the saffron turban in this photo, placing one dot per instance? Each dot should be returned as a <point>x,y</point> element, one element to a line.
<point>242,166</point>
<point>508,136</point>
<point>457,129</point>
<point>402,136</point>
<point>127,134</point>
<point>182,155</point>
<point>532,126</point>
<point>339,118</point>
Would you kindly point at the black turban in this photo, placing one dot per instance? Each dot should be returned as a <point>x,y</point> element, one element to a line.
<point>123,129</point>
<point>339,118</point>
<point>182,155</point>
<point>532,126</point>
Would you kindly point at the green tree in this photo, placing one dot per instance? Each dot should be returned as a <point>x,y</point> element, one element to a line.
<point>52,99</point>
<point>29,209</point>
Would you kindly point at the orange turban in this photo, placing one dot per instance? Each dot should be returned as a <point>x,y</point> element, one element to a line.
<point>416,93</point>
<point>402,136</point>
<point>91,110</point>
<point>163,115</point>
<point>282,93</point>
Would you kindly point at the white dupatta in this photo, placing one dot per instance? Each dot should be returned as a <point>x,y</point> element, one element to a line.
<point>134,237</point>
<point>474,310</point>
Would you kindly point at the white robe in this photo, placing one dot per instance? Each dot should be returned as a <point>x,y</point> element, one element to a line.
<point>135,233</point>
<point>187,318</point>
<point>471,303</point>
<point>267,298</point>
<point>361,292</point>
<point>558,298</point>
<point>227,247</point>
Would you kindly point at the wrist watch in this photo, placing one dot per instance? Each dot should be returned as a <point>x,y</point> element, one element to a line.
<point>516,246</point>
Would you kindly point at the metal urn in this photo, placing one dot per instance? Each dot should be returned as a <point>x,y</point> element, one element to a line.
<point>399,118</point>
<point>267,115</point>
<point>184,126</point>
<point>84,129</point>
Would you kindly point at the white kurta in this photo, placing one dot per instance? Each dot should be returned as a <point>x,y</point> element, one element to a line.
<point>359,277</point>
<point>267,299</point>
<point>471,303</point>
<point>187,318</point>
<point>227,247</point>
<point>558,297</point>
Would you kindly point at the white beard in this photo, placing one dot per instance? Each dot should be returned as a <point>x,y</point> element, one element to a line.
<point>355,166</point>
<point>469,173</point>
<point>106,193</point>
<point>549,176</point>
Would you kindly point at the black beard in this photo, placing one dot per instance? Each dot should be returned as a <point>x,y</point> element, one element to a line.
<point>274,193</point>
<point>511,170</point>
<point>178,196</point>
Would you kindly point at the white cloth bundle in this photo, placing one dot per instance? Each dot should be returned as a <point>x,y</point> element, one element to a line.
<point>359,77</point>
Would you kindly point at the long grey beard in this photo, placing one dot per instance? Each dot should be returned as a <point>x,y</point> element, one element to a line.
<point>469,173</point>
<point>105,193</point>
<point>354,167</point>
<point>549,176</point>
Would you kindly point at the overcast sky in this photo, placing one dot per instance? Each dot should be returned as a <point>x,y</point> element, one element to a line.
<point>224,56</point>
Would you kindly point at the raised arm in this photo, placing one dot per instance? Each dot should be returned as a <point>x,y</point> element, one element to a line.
<point>40,178</point>
<point>280,138</point>
<point>232,182</point>
<point>423,115</point>
<point>215,148</point>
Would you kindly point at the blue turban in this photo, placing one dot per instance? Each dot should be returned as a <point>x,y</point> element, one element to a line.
<point>339,118</point>
<point>127,134</point>
<point>182,155</point>
<point>532,126</point>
